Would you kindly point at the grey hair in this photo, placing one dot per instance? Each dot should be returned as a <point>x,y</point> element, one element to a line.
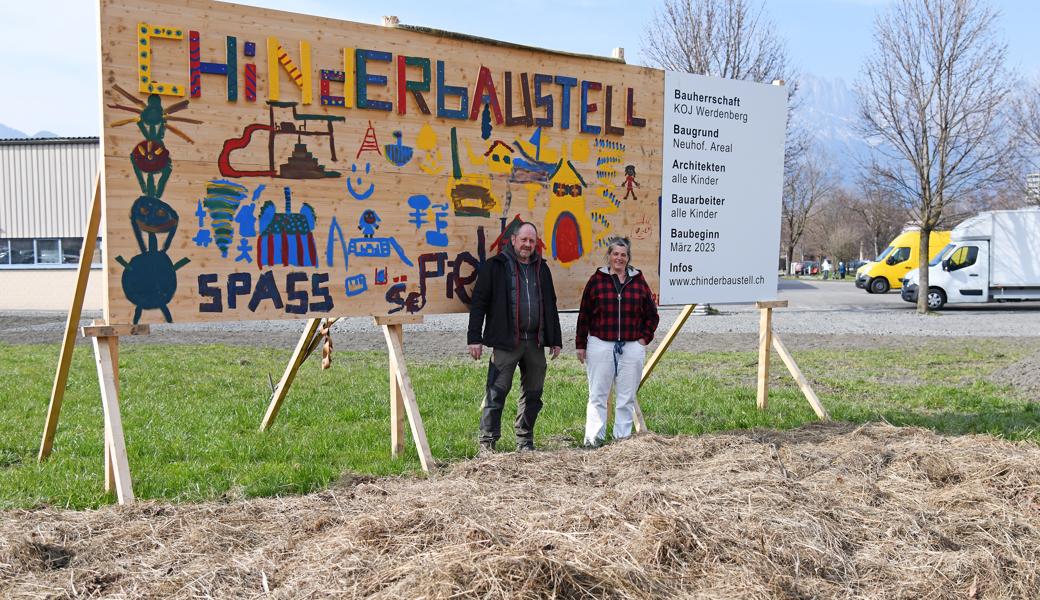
<point>528,224</point>
<point>620,241</point>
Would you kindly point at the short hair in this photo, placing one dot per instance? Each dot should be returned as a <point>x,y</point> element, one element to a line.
<point>526,224</point>
<point>620,241</point>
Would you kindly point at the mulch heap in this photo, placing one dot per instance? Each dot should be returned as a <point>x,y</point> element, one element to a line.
<point>828,510</point>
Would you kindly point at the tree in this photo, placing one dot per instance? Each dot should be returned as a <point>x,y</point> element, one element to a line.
<point>1027,126</point>
<point>808,181</point>
<point>932,94</point>
<point>879,208</point>
<point>732,39</point>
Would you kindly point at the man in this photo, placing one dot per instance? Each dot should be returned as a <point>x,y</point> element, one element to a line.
<point>826,269</point>
<point>515,301</point>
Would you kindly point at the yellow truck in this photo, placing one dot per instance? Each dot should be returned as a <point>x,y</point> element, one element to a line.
<point>889,269</point>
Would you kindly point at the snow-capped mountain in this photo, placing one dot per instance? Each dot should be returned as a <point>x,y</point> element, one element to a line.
<point>828,109</point>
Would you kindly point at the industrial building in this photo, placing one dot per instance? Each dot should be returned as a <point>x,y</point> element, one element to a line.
<point>46,186</point>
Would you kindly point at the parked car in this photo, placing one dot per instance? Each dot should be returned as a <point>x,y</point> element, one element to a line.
<point>854,265</point>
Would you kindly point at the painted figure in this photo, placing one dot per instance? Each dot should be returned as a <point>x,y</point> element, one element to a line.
<point>368,223</point>
<point>150,278</point>
<point>630,180</point>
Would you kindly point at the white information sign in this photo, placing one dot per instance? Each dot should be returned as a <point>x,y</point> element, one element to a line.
<point>722,186</point>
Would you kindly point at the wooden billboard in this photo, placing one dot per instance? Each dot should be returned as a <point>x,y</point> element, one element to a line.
<point>267,165</point>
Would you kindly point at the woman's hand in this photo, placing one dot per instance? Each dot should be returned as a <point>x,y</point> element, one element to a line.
<point>643,342</point>
<point>581,356</point>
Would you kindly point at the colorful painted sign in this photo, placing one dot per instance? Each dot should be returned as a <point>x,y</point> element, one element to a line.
<point>329,168</point>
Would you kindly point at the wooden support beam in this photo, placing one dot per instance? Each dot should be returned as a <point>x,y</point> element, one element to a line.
<point>397,411</point>
<point>637,411</point>
<point>102,330</point>
<point>61,378</point>
<point>114,441</point>
<point>411,407</point>
<point>282,389</point>
<point>765,333</point>
<point>772,304</point>
<point>810,395</point>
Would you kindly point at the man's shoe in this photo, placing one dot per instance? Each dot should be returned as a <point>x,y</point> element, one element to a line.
<point>486,449</point>
<point>525,447</point>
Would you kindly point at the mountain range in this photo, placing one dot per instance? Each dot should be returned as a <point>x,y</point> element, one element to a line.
<point>10,133</point>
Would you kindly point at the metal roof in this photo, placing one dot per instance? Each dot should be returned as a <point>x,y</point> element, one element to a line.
<point>46,186</point>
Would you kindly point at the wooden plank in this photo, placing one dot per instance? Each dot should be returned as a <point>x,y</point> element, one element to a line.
<point>113,422</point>
<point>115,330</point>
<point>410,405</point>
<point>773,304</point>
<point>397,411</point>
<point>61,377</point>
<point>810,395</point>
<point>666,341</point>
<point>410,274</point>
<point>282,389</point>
<point>397,319</point>
<point>764,334</point>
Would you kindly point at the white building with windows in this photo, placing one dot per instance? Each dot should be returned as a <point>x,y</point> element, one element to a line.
<point>46,186</point>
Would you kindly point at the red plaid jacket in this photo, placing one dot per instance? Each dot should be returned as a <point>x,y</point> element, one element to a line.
<point>630,317</point>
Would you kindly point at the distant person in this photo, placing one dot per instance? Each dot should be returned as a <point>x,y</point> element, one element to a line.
<point>515,302</point>
<point>841,269</point>
<point>616,321</point>
<point>826,269</point>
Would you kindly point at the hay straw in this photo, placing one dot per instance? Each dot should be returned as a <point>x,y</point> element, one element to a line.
<point>828,510</point>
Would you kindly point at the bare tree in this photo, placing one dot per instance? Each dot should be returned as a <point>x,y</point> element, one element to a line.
<point>932,94</point>
<point>808,181</point>
<point>732,39</point>
<point>1027,129</point>
<point>879,208</point>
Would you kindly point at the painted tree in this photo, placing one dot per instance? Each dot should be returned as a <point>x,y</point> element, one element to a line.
<point>808,181</point>
<point>932,96</point>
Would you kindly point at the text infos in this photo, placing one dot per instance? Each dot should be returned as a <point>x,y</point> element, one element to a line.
<point>723,180</point>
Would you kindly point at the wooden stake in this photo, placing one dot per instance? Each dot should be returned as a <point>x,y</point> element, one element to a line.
<point>282,389</point>
<point>765,333</point>
<point>397,412</point>
<point>404,383</point>
<point>61,378</point>
<point>114,442</point>
<point>810,395</point>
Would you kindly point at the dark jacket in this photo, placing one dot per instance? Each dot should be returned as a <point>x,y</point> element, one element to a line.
<point>616,317</point>
<point>494,305</point>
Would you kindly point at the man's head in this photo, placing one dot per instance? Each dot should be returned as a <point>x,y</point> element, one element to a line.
<point>525,240</point>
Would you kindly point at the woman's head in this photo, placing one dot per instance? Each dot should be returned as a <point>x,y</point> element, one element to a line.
<point>618,249</point>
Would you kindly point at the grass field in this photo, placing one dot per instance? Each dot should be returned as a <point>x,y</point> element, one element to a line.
<point>191,414</point>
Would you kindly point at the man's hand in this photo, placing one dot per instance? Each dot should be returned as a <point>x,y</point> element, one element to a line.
<point>581,355</point>
<point>475,350</point>
<point>555,351</point>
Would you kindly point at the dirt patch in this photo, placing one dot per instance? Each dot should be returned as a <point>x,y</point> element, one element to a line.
<point>1023,375</point>
<point>827,510</point>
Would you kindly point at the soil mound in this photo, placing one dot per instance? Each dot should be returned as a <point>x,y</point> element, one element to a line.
<point>1023,375</point>
<point>828,510</point>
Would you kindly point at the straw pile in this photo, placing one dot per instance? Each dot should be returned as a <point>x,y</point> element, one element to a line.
<point>829,510</point>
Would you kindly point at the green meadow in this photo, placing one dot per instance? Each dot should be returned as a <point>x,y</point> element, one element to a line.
<point>191,415</point>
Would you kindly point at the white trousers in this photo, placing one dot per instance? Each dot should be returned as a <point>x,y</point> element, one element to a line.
<point>599,364</point>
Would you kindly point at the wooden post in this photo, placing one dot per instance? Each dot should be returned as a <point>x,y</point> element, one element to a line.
<point>765,332</point>
<point>403,383</point>
<point>282,389</point>
<point>397,412</point>
<point>61,378</point>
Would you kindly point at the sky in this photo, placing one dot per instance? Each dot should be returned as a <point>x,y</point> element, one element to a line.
<point>51,44</point>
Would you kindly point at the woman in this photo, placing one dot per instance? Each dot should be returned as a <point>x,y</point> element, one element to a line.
<point>616,321</point>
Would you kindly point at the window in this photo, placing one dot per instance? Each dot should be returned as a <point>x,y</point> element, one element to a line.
<point>883,255</point>
<point>945,252</point>
<point>965,256</point>
<point>22,252</point>
<point>899,255</point>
